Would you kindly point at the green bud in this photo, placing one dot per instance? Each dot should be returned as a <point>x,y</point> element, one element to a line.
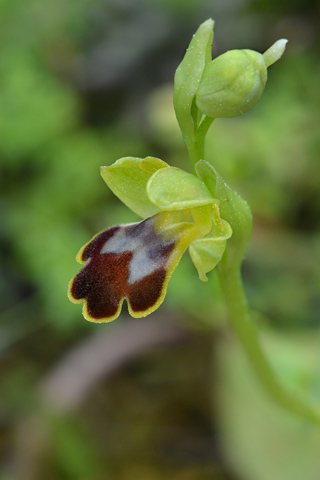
<point>233,82</point>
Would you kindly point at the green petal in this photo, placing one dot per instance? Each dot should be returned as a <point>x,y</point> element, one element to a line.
<point>207,252</point>
<point>174,189</point>
<point>127,179</point>
<point>233,209</point>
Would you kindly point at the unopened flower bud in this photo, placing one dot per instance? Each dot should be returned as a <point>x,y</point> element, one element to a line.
<point>233,82</point>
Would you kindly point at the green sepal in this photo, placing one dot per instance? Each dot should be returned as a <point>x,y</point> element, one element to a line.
<point>188,76</point>
<point>233,208</point>
<point>207,252</point>
<point>174,189</point>
<point>127,178</point>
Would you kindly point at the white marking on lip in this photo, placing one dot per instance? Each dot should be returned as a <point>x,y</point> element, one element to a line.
<point>141,264</point>
<point>120,243</point>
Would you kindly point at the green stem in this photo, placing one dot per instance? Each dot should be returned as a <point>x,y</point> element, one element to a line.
<point>240,318</point>
<point>231,284</point>
<point>195,152</point>
<point>195,145</point>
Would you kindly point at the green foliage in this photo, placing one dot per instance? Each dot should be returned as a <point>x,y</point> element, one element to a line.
<point>58,124</point>
<point>188,77</point>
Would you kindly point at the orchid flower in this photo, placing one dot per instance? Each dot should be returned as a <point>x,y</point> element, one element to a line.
<point>135,261</point>
<point>181,210</point>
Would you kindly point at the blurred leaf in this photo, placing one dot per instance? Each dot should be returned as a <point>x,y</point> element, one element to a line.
<point>260,440</point>
<point>75,457</point>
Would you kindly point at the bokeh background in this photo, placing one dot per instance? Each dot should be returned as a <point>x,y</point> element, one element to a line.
<point>83,83</point>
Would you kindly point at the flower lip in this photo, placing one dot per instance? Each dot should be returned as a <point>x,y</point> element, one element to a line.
<point>132,262</point>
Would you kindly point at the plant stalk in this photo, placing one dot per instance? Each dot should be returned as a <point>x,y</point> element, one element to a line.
<point>246,330</point>
<point>195,145</point>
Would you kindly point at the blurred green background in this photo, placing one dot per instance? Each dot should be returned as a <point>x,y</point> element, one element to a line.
<point>83,83</point>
